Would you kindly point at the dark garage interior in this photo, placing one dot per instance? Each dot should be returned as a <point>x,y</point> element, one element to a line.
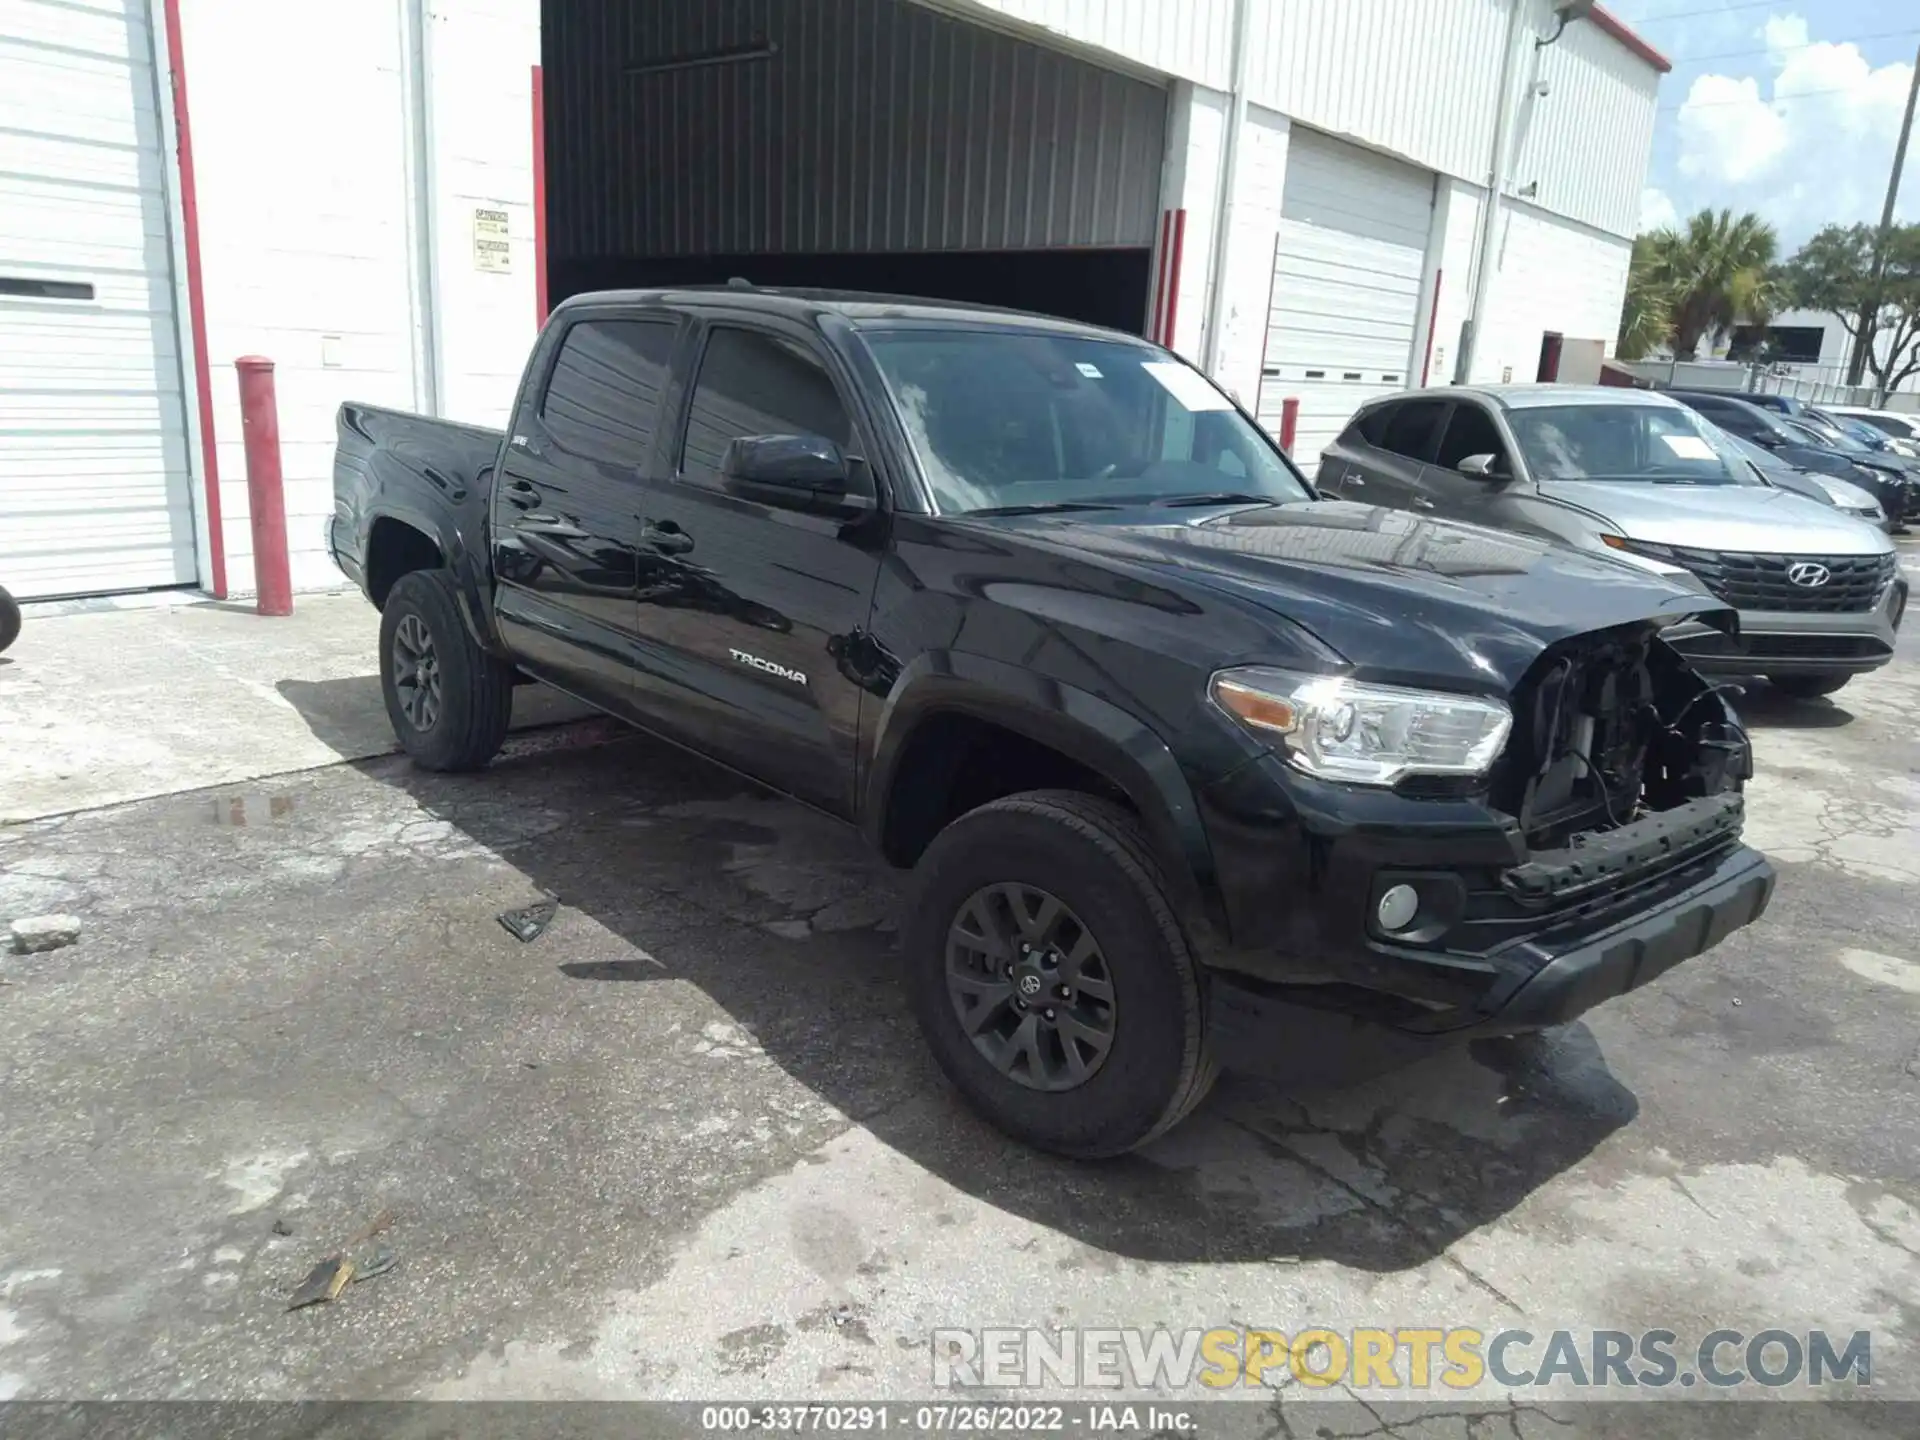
<point>851,144</point>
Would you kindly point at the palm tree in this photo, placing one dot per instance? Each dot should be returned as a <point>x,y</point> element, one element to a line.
<point>1716,271</point>
<point>1646,322</point>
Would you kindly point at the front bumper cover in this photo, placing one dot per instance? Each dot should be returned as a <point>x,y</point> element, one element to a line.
<point>1256,1030</point>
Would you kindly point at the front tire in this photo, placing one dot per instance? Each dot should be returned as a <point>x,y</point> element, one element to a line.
<point>448,700</point>
<point>1051,977</point>
<point>1807,687</point>
<point>9,619</point>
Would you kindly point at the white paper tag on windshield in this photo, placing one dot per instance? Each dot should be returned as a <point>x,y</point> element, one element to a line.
<point>1092,372</point>
<point>1186,386</point>
<point>1689,447</point>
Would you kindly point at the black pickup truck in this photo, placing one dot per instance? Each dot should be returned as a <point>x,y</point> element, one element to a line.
<point>1194,768</point>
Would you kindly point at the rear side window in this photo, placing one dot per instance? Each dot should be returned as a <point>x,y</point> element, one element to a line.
<point>1412,428</point>
<point>603,398</point>
<point>1471,431</point>
<point>753,383</point>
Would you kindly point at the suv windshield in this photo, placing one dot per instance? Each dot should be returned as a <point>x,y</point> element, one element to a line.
<point>1002,418</point>
<point>1649,444</point>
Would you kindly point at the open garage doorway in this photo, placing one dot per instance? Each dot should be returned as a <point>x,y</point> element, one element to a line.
<point>849,144</point>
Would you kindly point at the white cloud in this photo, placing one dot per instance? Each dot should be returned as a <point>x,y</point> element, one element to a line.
<point>1657,210</point>
<point>1805,145</point>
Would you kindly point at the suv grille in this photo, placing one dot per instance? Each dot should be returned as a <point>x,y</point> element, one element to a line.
<point>1760,582</point>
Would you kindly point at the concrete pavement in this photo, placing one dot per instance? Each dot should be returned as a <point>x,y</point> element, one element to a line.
<point>688,1144</point>
<point>104,705</point>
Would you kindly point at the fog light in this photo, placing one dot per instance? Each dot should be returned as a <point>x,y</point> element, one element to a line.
<point>1398,907</point>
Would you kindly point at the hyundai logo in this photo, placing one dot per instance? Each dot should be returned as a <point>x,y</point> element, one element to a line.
<point>1809,574</point>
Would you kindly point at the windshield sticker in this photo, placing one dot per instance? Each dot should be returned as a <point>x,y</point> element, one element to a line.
<point>1688,447</point>
<point>1189,387</point>
<point>1092,372</point>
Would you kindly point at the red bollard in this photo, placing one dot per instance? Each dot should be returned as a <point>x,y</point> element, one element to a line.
<point>1289,421</point>
<point>266,492</point>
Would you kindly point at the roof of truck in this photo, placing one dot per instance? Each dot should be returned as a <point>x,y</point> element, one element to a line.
<point>856,306</point>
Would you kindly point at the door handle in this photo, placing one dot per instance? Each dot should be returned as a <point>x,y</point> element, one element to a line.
<point>541,523</point>
<point>1352,477</point>
<point>668,539</point>
<point>1420,502</point>
<point>522,494</point>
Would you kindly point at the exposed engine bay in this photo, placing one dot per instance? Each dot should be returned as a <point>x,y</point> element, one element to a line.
<point>1610,729</point>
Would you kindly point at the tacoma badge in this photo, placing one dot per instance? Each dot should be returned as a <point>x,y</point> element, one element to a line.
<point>769,666</point>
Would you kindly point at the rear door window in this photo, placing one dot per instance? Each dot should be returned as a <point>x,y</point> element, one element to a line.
<point>1413,427</point>
<point>603,397</point>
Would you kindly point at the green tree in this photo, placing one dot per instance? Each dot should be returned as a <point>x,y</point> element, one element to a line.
<point>1835,271</point>
<point>1716,271</point>
<point>1646,321</point>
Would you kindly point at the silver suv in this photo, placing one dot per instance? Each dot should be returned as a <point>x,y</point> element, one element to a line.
<point>1634,474</point>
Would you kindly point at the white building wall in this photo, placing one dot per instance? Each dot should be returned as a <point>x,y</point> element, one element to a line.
<point>1189,39</point>
<point>1196,136</point>
<point>1247,264</point>
<point>312,246</point>
<point>1552,274</point>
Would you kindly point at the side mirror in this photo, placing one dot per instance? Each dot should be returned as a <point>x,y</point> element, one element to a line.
<point>1482,467</point>
<point>799,471</point>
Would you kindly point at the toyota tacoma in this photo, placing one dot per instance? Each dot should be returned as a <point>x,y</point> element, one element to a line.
<point>1194,769</point>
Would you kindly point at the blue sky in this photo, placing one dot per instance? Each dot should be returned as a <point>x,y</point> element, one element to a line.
<point>1790,110</point>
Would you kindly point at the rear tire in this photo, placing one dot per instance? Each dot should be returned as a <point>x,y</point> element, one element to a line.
<point>9,619</point>
<point>448,700</point>
<point>1807,687</point>
<point>1093,859</point>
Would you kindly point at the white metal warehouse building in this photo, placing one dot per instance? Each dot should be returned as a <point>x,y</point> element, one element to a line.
<point>383,196</point>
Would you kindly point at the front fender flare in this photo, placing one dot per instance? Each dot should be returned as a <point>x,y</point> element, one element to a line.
<point>1099,734</point>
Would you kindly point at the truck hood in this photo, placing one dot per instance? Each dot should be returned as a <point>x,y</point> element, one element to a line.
<point>1720,517</point>
<point>1401,597</point>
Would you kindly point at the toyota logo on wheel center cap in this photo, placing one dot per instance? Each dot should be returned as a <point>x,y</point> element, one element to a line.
<point>1809,574</point>
<point>1029,984</point>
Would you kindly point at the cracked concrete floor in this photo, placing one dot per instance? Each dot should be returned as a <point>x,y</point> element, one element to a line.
<point>687,1143</point>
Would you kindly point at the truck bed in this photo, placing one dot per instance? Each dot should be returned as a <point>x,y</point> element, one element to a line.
<point>435,475</point>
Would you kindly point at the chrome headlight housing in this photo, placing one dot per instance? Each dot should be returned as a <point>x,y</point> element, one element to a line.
<point>1337,728</point>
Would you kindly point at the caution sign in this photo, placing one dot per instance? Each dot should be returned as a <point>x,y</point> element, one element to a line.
<point>492,250</point>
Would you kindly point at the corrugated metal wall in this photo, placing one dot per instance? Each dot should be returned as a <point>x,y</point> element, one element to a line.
<point>874,125</point>
<point>1192,39</point>
<point>1586,142</point>
<point>1418,78</point>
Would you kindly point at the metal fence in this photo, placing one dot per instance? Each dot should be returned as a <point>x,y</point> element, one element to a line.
<point>1816,384</point>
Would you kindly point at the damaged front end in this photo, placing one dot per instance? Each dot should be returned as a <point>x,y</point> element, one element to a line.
<point>1600,850</point>
<point>1622,761</point>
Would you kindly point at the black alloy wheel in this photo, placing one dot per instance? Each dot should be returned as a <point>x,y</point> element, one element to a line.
<point>1030,986</point>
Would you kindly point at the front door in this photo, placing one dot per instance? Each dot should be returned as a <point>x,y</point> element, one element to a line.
<point>566,505</point>
<point>748,611</point>
<point>1470,430</point>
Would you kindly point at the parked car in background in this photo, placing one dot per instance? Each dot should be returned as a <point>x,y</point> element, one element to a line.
<point>1807,449</point>
<point>1847,498</point>
<point>1874,438</point>
<point>1633,472</point>
<point>1903,430</point>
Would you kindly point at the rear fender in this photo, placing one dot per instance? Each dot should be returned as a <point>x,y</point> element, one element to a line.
<point>1094,732</point>
<point>466,560</point>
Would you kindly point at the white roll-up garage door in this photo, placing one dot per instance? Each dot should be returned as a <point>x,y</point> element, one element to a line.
<point>94,477</point>
<point>1346,285</point>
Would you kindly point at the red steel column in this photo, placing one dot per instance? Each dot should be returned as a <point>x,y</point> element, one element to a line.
<point>1289,421</point>
<point>266,492</point>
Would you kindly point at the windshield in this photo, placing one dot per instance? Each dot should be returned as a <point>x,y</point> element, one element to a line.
<point>1864,433</point>
<point>1757,457</point>
<point>1647,444</point>
<point>1002,418</point>
<point>1807,433</point>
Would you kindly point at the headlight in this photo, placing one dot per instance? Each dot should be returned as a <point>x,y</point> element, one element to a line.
<point>1339,729</point>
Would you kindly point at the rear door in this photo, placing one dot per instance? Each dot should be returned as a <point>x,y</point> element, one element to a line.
<point>1392,447</point>
<point>748,612</point>
<point>566,505</point>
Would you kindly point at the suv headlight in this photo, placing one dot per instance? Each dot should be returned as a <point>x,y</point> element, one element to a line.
<point>1340,729</point>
